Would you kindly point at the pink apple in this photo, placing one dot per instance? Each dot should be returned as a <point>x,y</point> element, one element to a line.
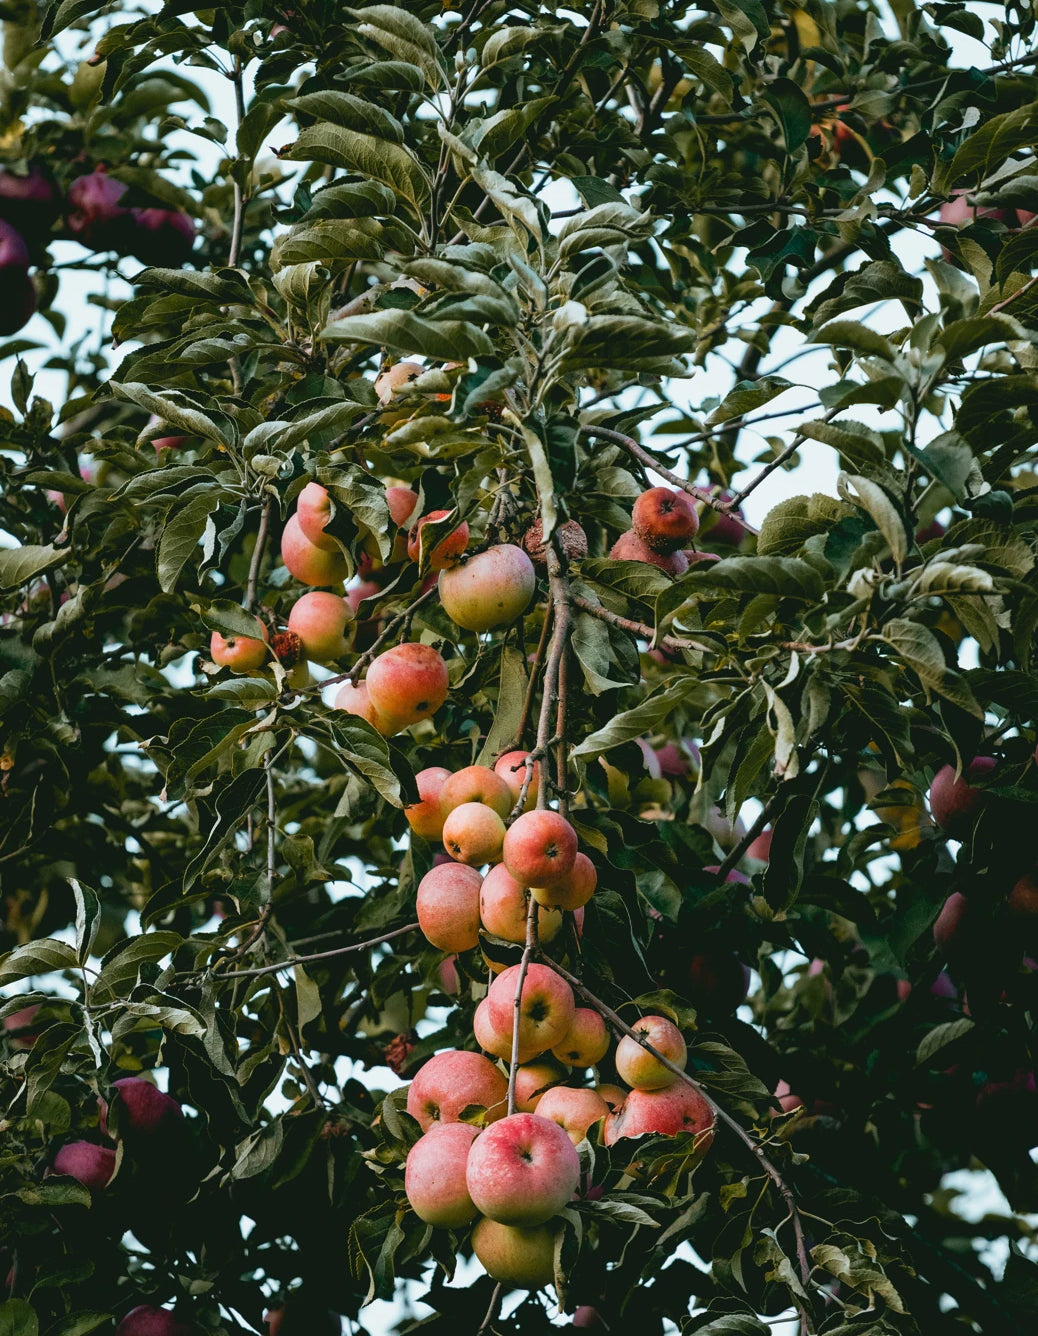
<point>22,1020</point>
<point>954,802</point>
<point>395,380</point>
<point>613,1095</point>
<point>573,890</point>
<point>524,1258</point>
<point>512,769</point>
<point>241,653</point>
<point>448,907</point>
<point>586,1042</point>
<point>638,1067</point>
<point>522,1170</point>
<point>452,1081</point>
<point>490,589</point>
<point>319,620</point>
<point>546,1007</point>
<point>407,683</point>
<point>540,848</point>
<point>447,551</point>
<point>146,1111</point>
<point>678,1108</point>
<point>532,1081</point>
<point>504,905</point>
<point>147,1320</point>
<point>92,1165</point>
<point>313,511</point>
<point>473,834</point>
<point>426,817</point>
<point>478,784</point>
<point>496,1039</point>
<point>629,547</point>
<point>355,700</point>
<point>434,1176</point>
<point>310,564</point>
<point>575,1111</point>
<point>664,520</point>
<point>760,848</point>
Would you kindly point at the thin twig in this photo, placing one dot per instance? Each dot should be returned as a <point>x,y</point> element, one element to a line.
<point>249,602</point>
<point>495,1300</point>
<point>531,686</point>
<point>238,226</point>
<point>291,961</point>
<point>669,644</point>
<point>769,468</point>
<point>736,852</point>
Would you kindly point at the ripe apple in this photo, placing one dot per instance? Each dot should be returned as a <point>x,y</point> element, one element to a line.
<point>478,784</point>
<point>402,502</point>
<point>426,817</point>
<point>407,683</point>
<point>448,907</point>
<point>355,700</point>
<point>664,520</point>
<point>447,550</point>
<point>497,1039</point>
<point>92,1165</point>
<point>319,620</point>
<point>613,1095</point>
<point>512,769</point>
<point>22,1021</point>
<point>540,848</point>
<point>575,1111</point>
<point>722,525</point>
<point>145,1111</point>
<point>522,1170</point>
<point>162,237</point>
<point>678,1108</point>
<point>786,1098</point>
<point>491,589</point>
<point>521,1257</point>
<point>474,834</point>
<point>314,510</point>
<point>30,202</point>
<point>586,1042</point>
<point>629,547</point>
<point>573,890</point>
<point>242,653</point>
<point>14,253</point>
<point>532,1081</point>
<point>434,1175</point>
<point>94,214</point>
<point>638,1067</point>
<point>1023,903</point>
<point>679,760</point>
<point>394,381</point>
<point>503,908</point>
<point>19,304</point>
<point>954,802</point>
<point>570,540</point>
<point>311,565</point>
<point>760,848</point>
<point>546,1008</point>
<point>452,1081</point>
<point>146,1320</point>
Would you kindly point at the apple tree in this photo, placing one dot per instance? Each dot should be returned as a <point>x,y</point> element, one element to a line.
<point>474,830</point>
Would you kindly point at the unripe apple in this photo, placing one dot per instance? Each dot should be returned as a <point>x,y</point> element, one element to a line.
<point>474,834</point>
<point>512,769</point>
<point>426,817</point>
<point>678,1108</point>
<point>954,802</point>
<point>355,700</point>
<point>95,216</point>
<point>629,547</point>
<point>569,538</point>
<point>163,237</point>
<point>448,907</point>
<point>524,1258</point>
<point>522,1170</point>
<point>447,550</point>
<point>311,565</point>
<point>540,848</point>
<point>395,380</point>
<point>22,1021</point>
<point>451,1082</point>
<point>491,589</point>
<point>29,202</point>
<point>573,890</point>
<point>546,1008</point>
<point>575,1111</point>
<point>319,620</point>
<point>586,1042</point>
<point>146,1320</point>
<point>146,1111</point>
<point>92,1165</point>
<point>407,683</point>
<point>664,520</point>
<point>434,1175</point>
<point>313,511</point>
<point>242,653</point>
<point>504,906</point>
<point>638,1067</point>
<point>497,1039</point>
<point>478,784</point>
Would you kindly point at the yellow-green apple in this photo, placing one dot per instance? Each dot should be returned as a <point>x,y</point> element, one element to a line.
<point>954,802</point>
<point>407,683</point>
<point>452,1081</point>
<point>434,1175</point>
<point>629,547</point>
<point>540,847</point>
<point>448,907</point>
<point>638,1067</point>
<point>522,1170</point>
<point>586,1042</point>
<point>664,520</point>
<point>310,564</point>
<point>512,769</point>
<point>242,653</point>
<point>497,1039</point>
<point>145,1111</point>
<point>504,905</point>
<point>575,1111</point>
<point>394,381</point>
<point>545,1011</point>
<point>474,834</point>
<point>532,1080</point>
<point>92,1165</point>
<point>426,817</point>
<point>355,700</point>
<point>524,1258</point>
<point>313,511</point>
<point>491,589</point>
<point>678,1108</point>
<point>477,784</point>
<point>147,1320</point>
<point>319,620</point>
<point>447,550</point>
<point>573,890</point>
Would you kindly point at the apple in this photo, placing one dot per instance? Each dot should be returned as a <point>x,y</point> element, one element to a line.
<point>491,588</point>
<point>394,381</point>
<point>512,769</point>
<point>407,683</point>
<point>319,620</point>
<point>532,1081</point>
<point>954,802</point>
<point>787,1099</point>
<point>638,1067</point>
<point>521,1257</point>
<point>759,849</point>
<point>91,1164</point>
<point>451,1082</point>
<point>718,981</point>
<point>679,760</point>
<point>540,848</point>
<point>504,904</point>
<point>722,525</point>
<point>478,784</point>
<point>313,511</point>
<point>94,214</point>
<point>311,565</point>
<point>613,1095</point>
<point>570,539</point>
<point>434,1175</point>
<point>355,700</point>
<point>496,1039</point>
<point>664,520</point>
<point>474,834</point>
<point>629,547</point>
<point>447,551</point>
<point>575,1111</point>
<point>586,1042</point>
<point>402,503</point>
<point>14,253</point>
<point>242,653</point>
<point>522,1170</point>
<point>546,1008</point>
<point>573,890</point>
<point>19,303</point>
<point>29,202</point>
<point>426,816</point>
<point>22,1021</point>
<point>146,1320</point>
<point>678,1108</point>
<point>297,1316</point>
<point>145,1110</point>
<point>448,907</point>
<point>1023,903</point>
<point>588,1319</point>
<point>162,237</point>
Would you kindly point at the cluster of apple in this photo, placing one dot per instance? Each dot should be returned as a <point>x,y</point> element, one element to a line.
<point>145,1119</point>
<point>30,202</point>
<point>663,523</point>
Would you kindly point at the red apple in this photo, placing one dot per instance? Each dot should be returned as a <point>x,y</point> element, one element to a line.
<point>575,1111</point>
<point>447,551</point>
<point>478,784</point>
<point>573,890</point>
<point>242,653</point>
<point>540,848</point>
<point>355,700</point>
<point>569,538</point>
<point>473,834</point>
<point>678,1108</point>
<point>19,1027</point>
<point>95,216</point>
<point>145,1110</point>
<point>546,1008</point>
<point>490,589</point>
<point>92,1165</point>
<point>498,1039</point>
<point>521,1257</point>
<point>163,237</point>
<point>504,904</point>
<point>313,511</point>
<point>522,1170</point>
<point>426,817</point>
<point>311,565</point>
<point>629,547</point>
<point>638,1067</point>
<point>319,620</point>
<point>406,684</point>
<point>448,907</point>
<point>512,769</point>
<point>586,1042</point>
<point>532,1081</point>
<point>29,202</point>
<point>664,520</point>
<point>395,380</point>
<point>434,1175</point>
<point>146,1320</point>
<point>451,1082</point>
<point>760,848</point>
<point>954,802</point>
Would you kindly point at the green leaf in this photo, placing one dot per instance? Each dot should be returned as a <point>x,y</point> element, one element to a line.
<point>88,918</point>
<point>41,957</point>
<point>940,1037</point>
<point>921,651</point>
<point>175,411</point>
<point>365,750</point>
<point>350,113</point>
<point>877,504</point>
<point>181,535</point>
<point>17,1317</point>
<point>404,36</point>
<point>746,395</point>
<point>747,20</point>
<point>787,577</point>
<point>878,280</point>
<point>510,695</point>
<point>857,337</point>
<point>633,723</point>
<point>120,969</point>
<point>19,565</point>
<point>789,524</point>
<point>792,110</point>
<point>406,332</point>
<point>375,159</point>
<point>991,145</point>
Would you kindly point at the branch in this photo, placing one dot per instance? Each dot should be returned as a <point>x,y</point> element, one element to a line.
<point>789,451</point>
<point>668,643</point>
<point>538,658</point>
<point>317,955</point>
<point>736,852</point>
<point>495,1300</point>
<point>238,225</point>
<point>249,602</point>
